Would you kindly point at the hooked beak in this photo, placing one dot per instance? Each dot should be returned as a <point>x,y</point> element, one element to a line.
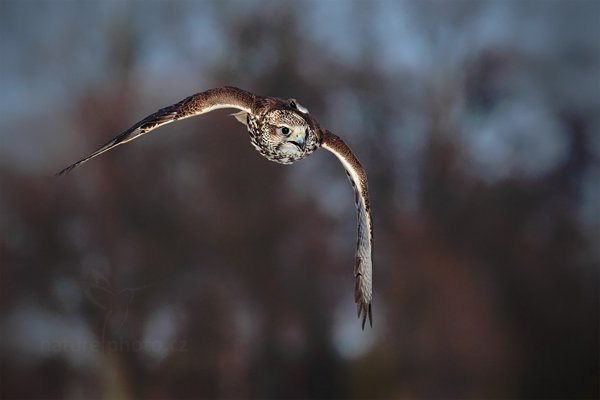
<point>300,140</point>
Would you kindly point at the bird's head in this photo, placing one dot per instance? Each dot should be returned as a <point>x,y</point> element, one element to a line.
<point>284,132</point>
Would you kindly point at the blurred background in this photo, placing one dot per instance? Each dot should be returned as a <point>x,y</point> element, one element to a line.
<point>185,265</point>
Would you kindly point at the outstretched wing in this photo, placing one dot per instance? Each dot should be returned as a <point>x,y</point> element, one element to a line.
<point>363,271</point>
<point>200,103</point>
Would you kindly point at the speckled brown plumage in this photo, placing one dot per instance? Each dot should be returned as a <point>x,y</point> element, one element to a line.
<point>284,132</point>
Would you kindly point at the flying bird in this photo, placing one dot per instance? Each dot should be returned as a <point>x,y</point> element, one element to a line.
<point>283,131</point>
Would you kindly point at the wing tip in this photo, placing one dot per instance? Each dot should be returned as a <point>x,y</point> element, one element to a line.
<point>66,170</point>
<point>364,311</point>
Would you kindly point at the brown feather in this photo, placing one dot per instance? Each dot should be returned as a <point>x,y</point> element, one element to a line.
<point>264,117</point>
<point>200,103</point>
<point>364,247</point>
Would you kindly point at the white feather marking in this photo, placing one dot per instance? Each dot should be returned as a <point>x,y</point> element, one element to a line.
<point>302,109</point>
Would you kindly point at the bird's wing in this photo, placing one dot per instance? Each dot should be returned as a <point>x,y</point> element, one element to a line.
<point>200,103</point>
<point>363,271</point>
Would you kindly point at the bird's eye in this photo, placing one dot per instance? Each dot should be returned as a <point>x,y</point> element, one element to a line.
<point>293,104</point>
<point>284,130</point>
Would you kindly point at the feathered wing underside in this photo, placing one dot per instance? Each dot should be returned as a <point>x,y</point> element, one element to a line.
<point>363,270</point>
<point>200,103</point>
